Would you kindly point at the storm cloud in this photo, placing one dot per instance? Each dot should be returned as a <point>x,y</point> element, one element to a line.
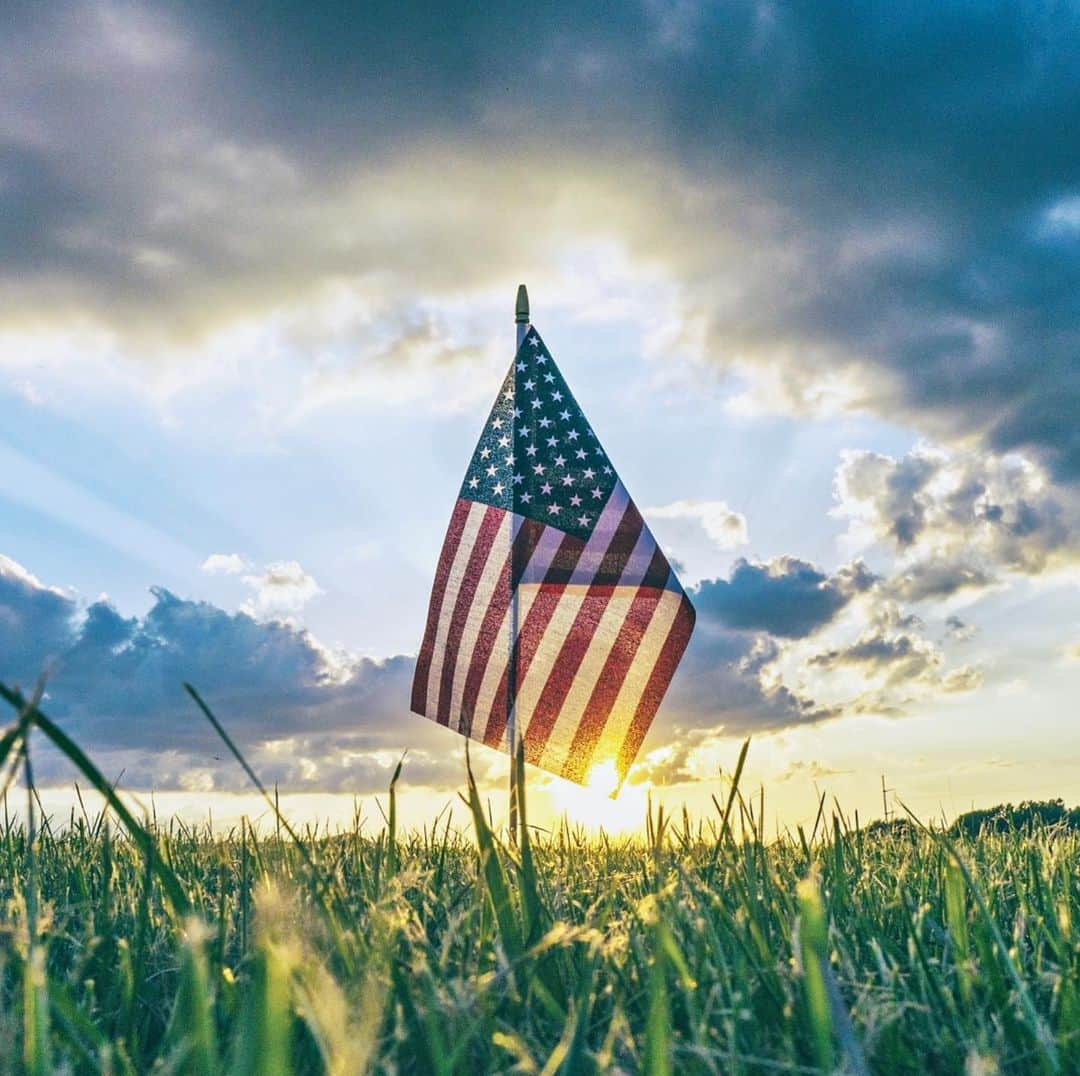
<point>856,207</point>
<point>786,597</point>
<point>308,717</point>
<point>305,716</point>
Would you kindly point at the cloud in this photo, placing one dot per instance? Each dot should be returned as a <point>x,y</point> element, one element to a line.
<point>786,596</point>
<point>725,527</point>
<point>309,717</point>
<point>303,716</point>
<point>225,564</point>
<point>824,191</point>
<point>955,521</point>
<point>33,620</point>
<point>284,587</point>
<point>811,769</point>
<point>957,630</point>
<point>896,660</point>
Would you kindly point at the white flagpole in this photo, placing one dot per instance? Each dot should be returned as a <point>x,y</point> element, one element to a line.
<point>521,320</point>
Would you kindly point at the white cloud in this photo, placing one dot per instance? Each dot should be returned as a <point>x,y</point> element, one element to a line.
<point>284,587</point>
<point>955,521</point>
<point>723,525</point>
<point>225,564</point>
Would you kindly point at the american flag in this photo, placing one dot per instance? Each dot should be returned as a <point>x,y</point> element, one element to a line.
<point>599,622</point>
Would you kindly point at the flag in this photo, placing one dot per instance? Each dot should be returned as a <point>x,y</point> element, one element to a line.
<point>550,593</point>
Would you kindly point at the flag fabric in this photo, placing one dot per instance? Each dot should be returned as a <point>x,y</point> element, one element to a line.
<point>550,593</point>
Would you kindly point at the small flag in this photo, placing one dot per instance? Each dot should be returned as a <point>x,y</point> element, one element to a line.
<point>551,594</point>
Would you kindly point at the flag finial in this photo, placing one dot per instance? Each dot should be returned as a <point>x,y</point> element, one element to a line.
<point>521,307</point>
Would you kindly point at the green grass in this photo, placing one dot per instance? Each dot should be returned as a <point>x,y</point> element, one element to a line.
<point>127,947</point>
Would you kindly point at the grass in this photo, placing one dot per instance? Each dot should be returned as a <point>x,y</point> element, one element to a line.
<point>129,947</point>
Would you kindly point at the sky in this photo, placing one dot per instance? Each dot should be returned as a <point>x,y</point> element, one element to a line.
<point>812,272</point>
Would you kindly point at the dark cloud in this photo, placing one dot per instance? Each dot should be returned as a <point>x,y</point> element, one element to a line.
<point>901,657</point>
<point>898,660</point>
<point>884,189</point>
<point>727,678</point>
<point>785,597</point>
<point>303,716</point>
<point>306,717</point>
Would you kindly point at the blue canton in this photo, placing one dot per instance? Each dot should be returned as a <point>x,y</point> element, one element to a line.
<point>538,456</point>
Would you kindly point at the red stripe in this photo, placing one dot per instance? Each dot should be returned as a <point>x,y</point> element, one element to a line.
<point>532,631</point>
<point>623,651</point>
<point>574,646</point>
<point>528,537</point>
<point>663,671</point>
<point>524,543</point>
<point>438,591</point>
<point>474,569</point>
<point>614,560</point>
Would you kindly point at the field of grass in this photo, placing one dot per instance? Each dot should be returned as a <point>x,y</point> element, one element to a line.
<point>697,948</point>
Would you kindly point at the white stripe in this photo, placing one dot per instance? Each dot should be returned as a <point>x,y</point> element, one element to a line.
<point>637,678</point>
<point>485,588</point>
<point>500,657</point>
<point>573,707</point>
<point>453,586</point>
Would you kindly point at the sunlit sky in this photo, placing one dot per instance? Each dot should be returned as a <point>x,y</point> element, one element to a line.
<point>812,274</point>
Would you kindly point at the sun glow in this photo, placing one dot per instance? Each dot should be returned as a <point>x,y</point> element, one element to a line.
<point>591,805</point>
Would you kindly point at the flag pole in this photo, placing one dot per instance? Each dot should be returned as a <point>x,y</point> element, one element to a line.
<point>521,321</point>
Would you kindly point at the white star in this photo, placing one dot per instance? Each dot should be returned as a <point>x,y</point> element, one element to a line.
<point>583,520</point>
<point>531,450</point>
<point>497,424</point>
<point>568,480</point>
<point>536,404</point>
<point>499,487</point>
<point>588,472</point>
<point>485,452</point>
<point>491,471</point>
<point>575,501</point>
<point>474,482</point>
<point>552,442</point>
<point>510,460</point>
<point>542,359</point>
<point>530,385</point>
<point>518,479</point>
<point>526,497</point>
<point>545,489</point>
<point>598,492</point>
<point>556,396</point>
<point>517,412</point>
<point>580,453</point>
<point>534,340</point>
<point>521,366</point>
<point>504,441</point>
<point>549,377</point>
<point>607,470</point>
<point>598,450</point>
<point>564,415</point>
<point>544,423</point>
<point>523,432</point>
<point>573,435</point>
<point>508,394</point>
<point>553,509</point>
<point>538,469</point>
<point>560,461</point>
